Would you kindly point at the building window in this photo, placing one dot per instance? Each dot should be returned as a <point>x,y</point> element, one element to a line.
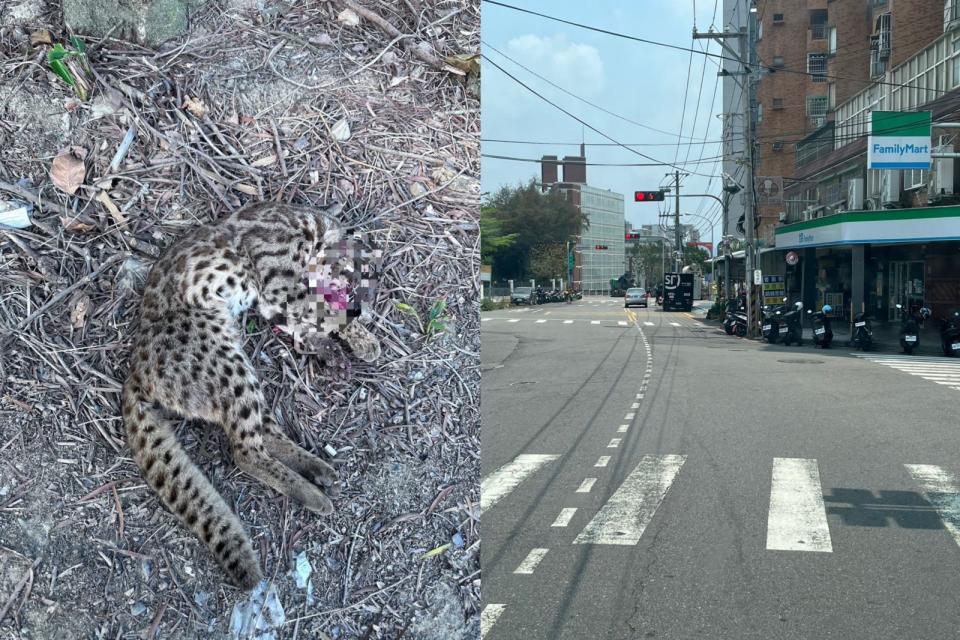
<point>832,94</point>
<point>817,110</point>
<point>778,103</point>
<point>759,112</point>
<point>759,31</point>
<point>778,145</point>
<point>778,18</point>
<point>915,178</point>
<point>817,66</point>
<point>778,61</point>
<point>818,24</point>
<point>832,41</point>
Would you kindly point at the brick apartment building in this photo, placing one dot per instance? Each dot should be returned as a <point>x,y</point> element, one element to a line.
<point>841,46</point>
<point>865,239</point>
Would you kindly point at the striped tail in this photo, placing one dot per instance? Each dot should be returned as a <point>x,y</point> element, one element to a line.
<point>186,491</point>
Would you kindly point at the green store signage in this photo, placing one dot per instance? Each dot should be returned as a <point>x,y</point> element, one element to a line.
<point>929,224</point>
<point>899,140</point>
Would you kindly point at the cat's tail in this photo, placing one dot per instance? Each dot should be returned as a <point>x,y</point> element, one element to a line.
<point>185,490</point>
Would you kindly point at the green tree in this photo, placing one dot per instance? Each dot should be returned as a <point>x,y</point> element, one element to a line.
<point>492,237</point>
<point>548,261</point>
<point>697,258</point>
<point>536,218</point>
<point>648,257</point>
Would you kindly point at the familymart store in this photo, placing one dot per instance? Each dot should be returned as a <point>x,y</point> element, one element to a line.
<point>874,260</point>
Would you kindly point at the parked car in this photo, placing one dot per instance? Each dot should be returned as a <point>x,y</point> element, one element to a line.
<point>523,295</point>
<point>635,297</point>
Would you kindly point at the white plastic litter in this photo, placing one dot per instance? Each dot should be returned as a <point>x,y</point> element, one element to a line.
<point>259,616</point>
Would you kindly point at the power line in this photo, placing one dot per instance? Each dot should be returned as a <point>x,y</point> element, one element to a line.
<point>713,55</point>
<point>578,119</point>
<point>605,164</point>
<point>573,95</point>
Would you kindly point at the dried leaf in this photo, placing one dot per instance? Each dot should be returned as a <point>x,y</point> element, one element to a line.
<point>341,130</point>
<point>464,62</point>
<point>349,18</point>
<point>40,37</point>
<point>195,106</point>
<point>68,170</point>
<point>75,225</point>
<point>79,308</point>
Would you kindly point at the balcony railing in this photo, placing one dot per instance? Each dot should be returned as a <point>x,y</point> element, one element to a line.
<point>818,31</point>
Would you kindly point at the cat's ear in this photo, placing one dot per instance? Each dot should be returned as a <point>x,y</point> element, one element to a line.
<point>327,219</point>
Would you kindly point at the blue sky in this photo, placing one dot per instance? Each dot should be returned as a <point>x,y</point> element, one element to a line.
<point>641,82</point>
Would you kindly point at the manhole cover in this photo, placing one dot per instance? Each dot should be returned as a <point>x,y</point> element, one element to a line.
<point>800,361</point>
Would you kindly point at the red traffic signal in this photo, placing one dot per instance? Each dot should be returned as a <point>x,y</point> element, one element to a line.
<point>631,236</point>
<point>647,196</point>
<point>600,247</point>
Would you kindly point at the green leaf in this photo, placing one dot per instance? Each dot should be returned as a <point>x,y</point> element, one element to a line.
<point>56,53</point>
<point>78,44</point>
<point>61,70</point>
<point>437,309</point>
<point>435,552</point>
<point>251,325</point>
<point>403,307</point>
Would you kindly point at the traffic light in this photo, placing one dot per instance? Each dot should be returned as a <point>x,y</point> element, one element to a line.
<point>647,196</point>
<point>631,236</point>
<point>600,247</point>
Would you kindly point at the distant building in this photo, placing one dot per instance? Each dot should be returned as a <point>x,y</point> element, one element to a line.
<point>599,255</point>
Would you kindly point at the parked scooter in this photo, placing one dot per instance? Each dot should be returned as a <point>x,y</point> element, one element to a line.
<point>735,320</point>
<point>772,320</point>
<point>950,334</point>
<point>862,337</point>
<point>822,331</point>
<point>910,323</point>
<point>791,329</point>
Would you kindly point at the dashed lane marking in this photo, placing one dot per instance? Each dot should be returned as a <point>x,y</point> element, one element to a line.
<point>530,563</point>
<point>566,515</point>
<point>602,462</point>
<point>586,485</point>
<point>488,617</point>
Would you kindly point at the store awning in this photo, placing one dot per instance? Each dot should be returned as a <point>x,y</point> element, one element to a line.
<point>891,226</point>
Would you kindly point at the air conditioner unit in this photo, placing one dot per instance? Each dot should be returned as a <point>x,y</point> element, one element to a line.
<point>941,182</point>
<point>808,214</point>
<point>855,194</point>
<point>782,216</point>
<point>890,188</point>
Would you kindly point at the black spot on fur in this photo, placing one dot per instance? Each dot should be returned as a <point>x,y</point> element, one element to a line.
<point>238,390</point>
<point>245,412</point>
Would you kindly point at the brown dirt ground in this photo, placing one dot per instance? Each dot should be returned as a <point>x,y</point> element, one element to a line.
<point>86,550</point>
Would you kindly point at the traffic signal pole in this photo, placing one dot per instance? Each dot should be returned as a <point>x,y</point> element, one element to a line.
<point>677,232</point>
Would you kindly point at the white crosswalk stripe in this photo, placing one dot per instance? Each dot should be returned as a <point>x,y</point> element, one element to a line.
<point>488,617</point>
<point>625,516</point>
<point>941,489</point>
<point>505,479</point>
<point>797,520</point>
<point>943,371</point>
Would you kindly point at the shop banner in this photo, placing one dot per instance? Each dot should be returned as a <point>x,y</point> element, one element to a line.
<point>899,140</point>
<point>928,224</point>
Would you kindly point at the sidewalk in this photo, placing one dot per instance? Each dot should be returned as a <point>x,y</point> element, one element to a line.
<point>886,338</point>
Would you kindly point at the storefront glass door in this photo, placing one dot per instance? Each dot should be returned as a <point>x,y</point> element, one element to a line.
<point>906,286</point>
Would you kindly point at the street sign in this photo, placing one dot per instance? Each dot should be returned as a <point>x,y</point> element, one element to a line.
<point>792,258</point>
<point>899,140</point>
<point>757,276</point>
<point>486,273</point>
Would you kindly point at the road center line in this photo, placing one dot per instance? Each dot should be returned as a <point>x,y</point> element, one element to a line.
<point>623,428</point>
<point>797,520</point>
<point>631,508</point>
<point>531,561</point>
<point>629,416</point>
<point>566,515</point>
<point>940,487</point>
<point>506,478</point>
<point>586,485</point>
<point>602,462</point>
<point>614,443</point>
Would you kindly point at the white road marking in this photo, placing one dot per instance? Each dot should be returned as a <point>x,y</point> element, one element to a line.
<point>602,462</point>
<point>942,371</point>
<point>541,321</point>
<point>506,478</point>
<point>531,561</point>
<point>548,313</point>
<point>485,319</point>
<point>649,324</point>
<point>623,428</point>
<point>514,320</point>
<point>568,322</point>
<point>621,323</point>
<point>675,324</point>
<point>614,443</point>
<point>488,618</point>
<point>635,405</point>
<point>594,322</point>
<point>797,520</point>
<point>625,516</point>
<point>566,515</point>
<point>639,396</point>
<point>940,487</point>
<point>586,485</point>
<point>629,416</point>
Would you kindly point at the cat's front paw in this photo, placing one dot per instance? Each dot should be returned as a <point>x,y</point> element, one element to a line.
<point>363,344</point>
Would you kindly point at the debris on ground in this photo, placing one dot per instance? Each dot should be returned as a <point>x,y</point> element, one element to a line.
<point>264,100</point>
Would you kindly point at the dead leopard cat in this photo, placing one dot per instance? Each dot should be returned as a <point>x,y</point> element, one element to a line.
<point>187,362</point>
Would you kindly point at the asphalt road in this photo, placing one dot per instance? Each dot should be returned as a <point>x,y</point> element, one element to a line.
<point>749,490</point>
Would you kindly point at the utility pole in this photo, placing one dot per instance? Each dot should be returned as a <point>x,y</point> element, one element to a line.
<point>745,56</point>
<point>677,260</point>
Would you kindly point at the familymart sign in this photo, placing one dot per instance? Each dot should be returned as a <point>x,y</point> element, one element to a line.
<point>899,140</point>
